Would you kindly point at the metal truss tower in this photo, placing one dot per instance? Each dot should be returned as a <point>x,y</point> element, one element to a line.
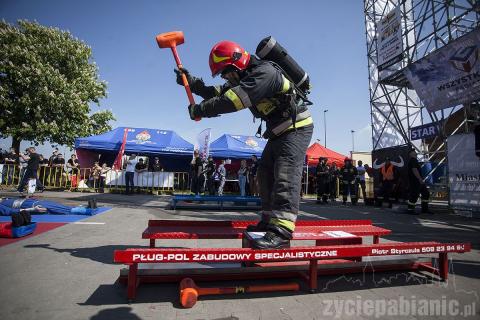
<point>427,25</point>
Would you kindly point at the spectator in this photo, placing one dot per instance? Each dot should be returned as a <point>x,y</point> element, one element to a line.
<point>95,177</point>
<point>417,185</point>
<point>196,169</point>
<point>210,171</point>
<point>141,166</point>
<point>252,176</point>
<point>334,173</point>
<point>242,177</point>
<point>103,174</point>
<point>11,162</point>
<point>323,181</point>
<point>73,166</point>
<point>23,163</point>
<point>348,175</point>
<point>220,177</point>
<point>53,157</point>
<point>156,165</point>
<point>58,168</point>
<point>387,180</point>
<point>361,170</point>
<point>32,159</point>
<point>130,173</point>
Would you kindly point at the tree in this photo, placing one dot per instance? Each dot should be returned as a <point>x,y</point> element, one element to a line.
<point>47,83</point>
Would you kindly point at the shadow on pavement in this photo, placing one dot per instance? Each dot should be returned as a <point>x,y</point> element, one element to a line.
<point>168,292</point>
<point>103,254</point>
<point>116,313</point>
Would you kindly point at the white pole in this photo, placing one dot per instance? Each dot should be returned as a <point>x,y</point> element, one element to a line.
<point>306,178</point>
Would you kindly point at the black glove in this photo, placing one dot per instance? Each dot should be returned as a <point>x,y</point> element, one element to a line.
<point>195,111</point>
<point>198,111</point>
<point>179,73</point>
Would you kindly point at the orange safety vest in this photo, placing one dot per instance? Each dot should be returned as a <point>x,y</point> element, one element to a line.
<point>387,173</point>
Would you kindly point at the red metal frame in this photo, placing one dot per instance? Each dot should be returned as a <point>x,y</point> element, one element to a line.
<point>198,255</point>
<point>344,250</point>
<point>312,254</point>
<point>305,229</point>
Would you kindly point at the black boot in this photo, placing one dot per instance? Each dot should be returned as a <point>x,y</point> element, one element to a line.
<point>425,208</point>
<point>276,237</point>
<point>261,226</point>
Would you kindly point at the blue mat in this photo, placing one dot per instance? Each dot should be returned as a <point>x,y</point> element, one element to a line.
<point>58,218</point>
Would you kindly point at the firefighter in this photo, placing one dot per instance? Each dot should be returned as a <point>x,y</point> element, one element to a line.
<point>262,87</point>
<point>416,185</point>
<point>323,180</point>
<point>334,174</point>
<point>387,177</point>
<point>348,176</point>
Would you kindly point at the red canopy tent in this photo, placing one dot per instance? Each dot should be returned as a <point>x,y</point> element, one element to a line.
<point>316,151</point>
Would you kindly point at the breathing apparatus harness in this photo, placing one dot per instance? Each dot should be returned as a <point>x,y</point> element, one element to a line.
<point>295,99</point>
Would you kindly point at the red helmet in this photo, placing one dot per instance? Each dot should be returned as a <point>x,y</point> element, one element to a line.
<point>227,53</point>
<point>347,159</point>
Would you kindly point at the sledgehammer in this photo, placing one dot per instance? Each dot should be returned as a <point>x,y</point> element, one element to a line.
<point>171,40</point>
<point>189,291</point>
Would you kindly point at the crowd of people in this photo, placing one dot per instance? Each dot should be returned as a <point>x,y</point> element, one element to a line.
<point>350,180</point>
<point>19,167</point>
<point>209,178</point>
<point>347,179</point>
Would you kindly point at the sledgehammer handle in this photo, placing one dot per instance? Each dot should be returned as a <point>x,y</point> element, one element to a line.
<point>184,78</point>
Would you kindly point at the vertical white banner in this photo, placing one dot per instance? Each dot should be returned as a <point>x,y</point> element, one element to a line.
<point>389,40</point>
<point>203,140</point>
<point>463,173</point>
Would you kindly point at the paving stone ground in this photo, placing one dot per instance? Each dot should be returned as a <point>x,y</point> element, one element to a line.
<point>68,273</point>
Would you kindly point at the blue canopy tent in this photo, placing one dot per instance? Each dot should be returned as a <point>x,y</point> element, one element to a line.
<point>173,150</point>
<point>237,147</point>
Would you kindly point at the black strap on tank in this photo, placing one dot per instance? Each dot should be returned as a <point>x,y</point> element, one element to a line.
<point>298,92</point>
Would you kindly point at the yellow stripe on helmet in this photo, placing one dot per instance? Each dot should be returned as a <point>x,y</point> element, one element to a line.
<point>218,59</point>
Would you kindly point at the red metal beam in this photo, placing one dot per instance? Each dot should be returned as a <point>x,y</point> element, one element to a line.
<point>245,223</point>
<point>292,254</point>
<point>167,229</point>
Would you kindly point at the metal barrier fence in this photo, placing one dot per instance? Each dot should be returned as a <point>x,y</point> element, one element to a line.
<point>312,188</point>
<point>86,179</point>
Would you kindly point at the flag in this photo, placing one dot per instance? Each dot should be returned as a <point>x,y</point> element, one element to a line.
<point>203,140</point>
<point>117,165</point>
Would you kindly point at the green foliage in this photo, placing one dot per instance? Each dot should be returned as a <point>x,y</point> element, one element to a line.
<point>47,82</point>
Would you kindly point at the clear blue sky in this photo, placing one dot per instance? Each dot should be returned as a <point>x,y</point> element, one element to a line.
<point>327,38</point>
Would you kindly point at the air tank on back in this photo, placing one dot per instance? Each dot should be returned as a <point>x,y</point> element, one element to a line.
<point>270,49</point>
